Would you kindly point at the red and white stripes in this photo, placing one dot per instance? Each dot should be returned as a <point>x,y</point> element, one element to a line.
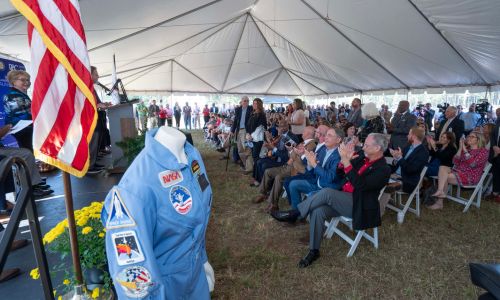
<point>63,104</point>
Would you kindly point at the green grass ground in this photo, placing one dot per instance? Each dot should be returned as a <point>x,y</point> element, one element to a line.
<point>255,257</point>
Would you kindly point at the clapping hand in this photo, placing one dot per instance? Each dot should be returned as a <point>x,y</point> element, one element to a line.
<point>347,153</point>
<point>397,154</point>
<point>496,150</point>
<point>311,158</point>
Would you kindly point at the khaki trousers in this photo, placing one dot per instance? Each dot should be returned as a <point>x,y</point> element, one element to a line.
<point>278,174</point>
<point>245,153</point>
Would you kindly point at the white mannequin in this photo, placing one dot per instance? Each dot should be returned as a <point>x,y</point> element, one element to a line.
<point>174,141</point>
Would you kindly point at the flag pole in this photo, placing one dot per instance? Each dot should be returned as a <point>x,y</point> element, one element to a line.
<point>73,238</point>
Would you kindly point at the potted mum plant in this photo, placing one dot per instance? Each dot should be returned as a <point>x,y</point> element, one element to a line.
<point>92,248</point>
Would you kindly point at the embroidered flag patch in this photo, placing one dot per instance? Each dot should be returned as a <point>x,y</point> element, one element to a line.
<point>195,167</point>
<point>135,281</point>
<point>181,199</point>
<point>119,215</point>
<point>127,248</point>
<point>169,178</point>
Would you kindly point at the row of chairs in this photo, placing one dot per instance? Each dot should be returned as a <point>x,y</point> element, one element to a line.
<point>402,207</point>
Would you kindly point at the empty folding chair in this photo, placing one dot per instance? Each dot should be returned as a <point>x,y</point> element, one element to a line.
<point>475,197</point>
<point>332,228</point>
<point>401,208</point>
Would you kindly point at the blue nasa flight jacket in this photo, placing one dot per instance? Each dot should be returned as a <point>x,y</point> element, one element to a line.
<point>156,219</point>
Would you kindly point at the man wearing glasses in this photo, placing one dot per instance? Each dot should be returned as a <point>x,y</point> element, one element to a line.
<point>366,173</point>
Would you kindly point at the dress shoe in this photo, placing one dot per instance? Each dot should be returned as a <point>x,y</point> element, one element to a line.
<point>18,244</point>
<point>490,197</point>
<point>41,193</point>
<point>497,199</point>
<point>41,186</point>
<point>221,150</point>
<point>286,216</point>
<point>309,258</point>
<point>260,198</point>
<point>8,274</point>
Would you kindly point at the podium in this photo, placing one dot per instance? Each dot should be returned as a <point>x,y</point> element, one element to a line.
<point>121,125</point>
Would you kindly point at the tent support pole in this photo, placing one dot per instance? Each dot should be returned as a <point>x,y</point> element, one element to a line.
<point>182,41</point>
<point>274,80</point>
<point>305,53</point>
<point>447,41</point>
<point>308,82</point>
<point>234,54</point>
<point>155,25</point>
<point>255,78</point>
<point>216,90</point>
<point>353,43</point>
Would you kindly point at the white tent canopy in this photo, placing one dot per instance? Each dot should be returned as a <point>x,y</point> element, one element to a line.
<point>285,47</point>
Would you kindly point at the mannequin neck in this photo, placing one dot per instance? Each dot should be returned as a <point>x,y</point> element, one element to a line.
<point>174,141</point>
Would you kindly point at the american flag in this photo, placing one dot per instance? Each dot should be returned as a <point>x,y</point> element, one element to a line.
<point>63,104</point>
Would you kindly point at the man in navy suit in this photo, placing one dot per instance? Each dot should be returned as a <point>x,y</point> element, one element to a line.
<point>322,165</point>
<point>407,165</point>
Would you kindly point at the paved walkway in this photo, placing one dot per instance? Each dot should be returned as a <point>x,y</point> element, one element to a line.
<point>51,210</point>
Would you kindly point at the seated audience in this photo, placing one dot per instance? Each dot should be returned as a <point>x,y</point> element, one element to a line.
<point>277,153</point>
<point>442,152</point>
<point>407,165</point>
<point>469,162</point>
<point>323,168</point>
<point>271,185</point>
<point>367,173</point>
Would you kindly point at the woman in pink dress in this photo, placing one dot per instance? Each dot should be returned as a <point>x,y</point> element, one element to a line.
<point>468,167</point>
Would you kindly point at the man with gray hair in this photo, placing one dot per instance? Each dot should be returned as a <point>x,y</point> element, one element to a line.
<point>366,173</point>
<point>451,123</point>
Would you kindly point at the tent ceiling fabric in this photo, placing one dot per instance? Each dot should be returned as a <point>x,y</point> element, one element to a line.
<point>285,47</point>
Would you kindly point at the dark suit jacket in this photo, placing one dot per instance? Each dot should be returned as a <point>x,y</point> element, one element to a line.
<point>457,127</point>
<point>367,186</point>
<point>494,141</point>
<point>237,117</point>
<point>412,166</point>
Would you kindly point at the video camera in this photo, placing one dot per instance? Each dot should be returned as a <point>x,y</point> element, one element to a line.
<point>443,107</point>
<point>483,107</point>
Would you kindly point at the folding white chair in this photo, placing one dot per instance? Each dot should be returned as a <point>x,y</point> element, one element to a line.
<point>401,208</point>
<point>332,228</point>
<point>475,197</point>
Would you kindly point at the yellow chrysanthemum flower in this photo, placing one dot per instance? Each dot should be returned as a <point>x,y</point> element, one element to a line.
<point>86,230</point>
<point>95,293</point>
<point>35,274</point>
<point>66,282</point>
<point>101,235</point>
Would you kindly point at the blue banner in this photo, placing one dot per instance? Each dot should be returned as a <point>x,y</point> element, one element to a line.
<point>5,66</point>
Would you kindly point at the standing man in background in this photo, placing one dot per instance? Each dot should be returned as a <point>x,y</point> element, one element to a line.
<point>241,117</point>
<point>470,119</point>
<point>186,112</point>
<point>401,124</point>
